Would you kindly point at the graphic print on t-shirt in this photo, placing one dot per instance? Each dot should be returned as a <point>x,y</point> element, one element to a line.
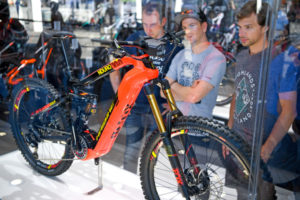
<point>243,98</point>
<point>245,93</point>
<point>158,62</point>
<point>189,72</point>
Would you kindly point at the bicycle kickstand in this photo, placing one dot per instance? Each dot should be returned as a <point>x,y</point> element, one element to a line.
<point>98,162</point>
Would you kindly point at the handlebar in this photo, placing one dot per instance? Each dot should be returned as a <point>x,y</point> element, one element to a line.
<point>140,44</point>
<point>146,43</point>
<point>177,34</point>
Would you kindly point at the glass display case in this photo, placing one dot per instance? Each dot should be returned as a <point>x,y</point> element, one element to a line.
<point>248,149</point>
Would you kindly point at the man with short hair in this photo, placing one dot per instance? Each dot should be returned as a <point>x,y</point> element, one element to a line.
<point>278,151</point>
<point>252,31</point>
<point>140,122</point>
<point>196,71</point>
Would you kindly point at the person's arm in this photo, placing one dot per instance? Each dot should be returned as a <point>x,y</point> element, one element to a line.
<point>214,69</point>
<point>115,79</point>
<point>225,151</point>
<point>171,81</point>
<point>172,72</point>
<point>192,94</point>
<point>231,112</point>
<point>287,101</point>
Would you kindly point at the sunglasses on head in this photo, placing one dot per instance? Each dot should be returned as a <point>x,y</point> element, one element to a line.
<point>188,12</point>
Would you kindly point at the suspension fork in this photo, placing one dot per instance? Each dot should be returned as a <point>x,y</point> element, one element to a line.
<point>188,149</point>
<point>168,143</point>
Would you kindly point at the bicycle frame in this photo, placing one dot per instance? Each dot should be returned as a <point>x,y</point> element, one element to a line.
<point>129,89</point>
<point>12,74</point>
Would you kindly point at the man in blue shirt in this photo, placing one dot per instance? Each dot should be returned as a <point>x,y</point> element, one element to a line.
<point>140,122</point>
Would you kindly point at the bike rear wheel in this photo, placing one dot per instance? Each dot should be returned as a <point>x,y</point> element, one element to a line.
<point>211,182</point>
<point>37,136</point>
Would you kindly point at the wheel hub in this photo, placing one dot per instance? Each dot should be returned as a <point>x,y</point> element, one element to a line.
<point>198,182</point>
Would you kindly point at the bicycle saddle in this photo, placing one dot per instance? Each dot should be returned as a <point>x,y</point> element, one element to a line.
<point>47,34</point>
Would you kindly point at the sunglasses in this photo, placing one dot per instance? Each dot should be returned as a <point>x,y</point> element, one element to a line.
<point>188,12</point>
<point>199,15</point>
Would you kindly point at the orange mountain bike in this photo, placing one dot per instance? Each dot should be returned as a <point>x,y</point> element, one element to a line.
<point>179,161</point>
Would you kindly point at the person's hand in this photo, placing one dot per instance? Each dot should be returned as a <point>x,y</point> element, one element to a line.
<point>225,151</point>
<point>166,108</point>
<point>195,83</point>
<point>11,2</point>
<point>266,151</point>
<point>296,58</point>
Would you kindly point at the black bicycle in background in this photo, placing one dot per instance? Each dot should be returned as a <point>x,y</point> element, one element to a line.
<point>55,58</point>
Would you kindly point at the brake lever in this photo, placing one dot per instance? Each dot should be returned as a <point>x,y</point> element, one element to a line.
<point>118,53</point>
<point>117,44</point>
<point>175,37</point>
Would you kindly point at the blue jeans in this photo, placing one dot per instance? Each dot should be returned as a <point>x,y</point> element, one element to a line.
<point>283,163</point>
<point>139,123</point>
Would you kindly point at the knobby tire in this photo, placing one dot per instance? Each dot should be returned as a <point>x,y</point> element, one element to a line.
<point>49,157</point>
<point>207,137</point>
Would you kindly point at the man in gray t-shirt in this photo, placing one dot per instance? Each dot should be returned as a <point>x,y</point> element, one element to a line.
<point>195,73</point>
<point>278,150</point>
<point>246,82</point>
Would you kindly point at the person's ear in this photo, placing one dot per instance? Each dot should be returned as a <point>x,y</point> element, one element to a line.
<point>204,26</point>
<point>163,21</point>
<point>265,29</point>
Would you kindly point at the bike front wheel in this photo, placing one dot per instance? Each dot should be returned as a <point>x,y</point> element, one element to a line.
<point>211,181</point>
<point>40,137</point>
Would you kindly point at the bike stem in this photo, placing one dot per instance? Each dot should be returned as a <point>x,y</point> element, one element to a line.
<point>166,135</point>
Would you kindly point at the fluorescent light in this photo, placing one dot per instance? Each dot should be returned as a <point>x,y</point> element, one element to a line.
<point>2,134</point>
